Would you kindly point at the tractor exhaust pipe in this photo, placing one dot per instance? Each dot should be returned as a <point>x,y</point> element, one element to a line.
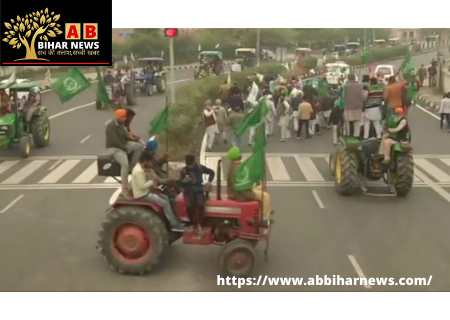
<point>219,180</point>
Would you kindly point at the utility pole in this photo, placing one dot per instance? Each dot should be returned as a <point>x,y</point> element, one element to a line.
<point>374,31</point>
<point>258,46</point>
<point>365,37</point>
<point>443,35</point>
<point>172,70</point>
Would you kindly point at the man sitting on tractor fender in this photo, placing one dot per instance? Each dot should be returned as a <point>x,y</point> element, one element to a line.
<point>144,182</point>
<point>193,189</point>
<point>256,193</point>
<point>399,133</point>
<point>120,145</point>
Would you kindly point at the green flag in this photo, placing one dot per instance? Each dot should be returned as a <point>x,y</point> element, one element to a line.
<point>72,83</point>
<point>102,94</point>
<point>323,89</point>
<point>161,122</point>
<point>253,170</point>
<point>365,56</point>
<point>254,118</point>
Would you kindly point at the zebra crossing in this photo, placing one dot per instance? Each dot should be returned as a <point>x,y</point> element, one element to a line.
<point>288,169</point>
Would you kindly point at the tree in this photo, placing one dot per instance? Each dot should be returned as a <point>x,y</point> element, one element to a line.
<point>22,28</point>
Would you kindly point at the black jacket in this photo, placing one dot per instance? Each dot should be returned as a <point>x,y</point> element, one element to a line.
<point>196,173</point>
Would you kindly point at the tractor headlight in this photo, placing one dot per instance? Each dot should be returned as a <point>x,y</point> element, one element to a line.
<point>3,129</point>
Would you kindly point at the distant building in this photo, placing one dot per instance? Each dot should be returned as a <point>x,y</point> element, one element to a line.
<point>120,35</point>
<point>404,34</point>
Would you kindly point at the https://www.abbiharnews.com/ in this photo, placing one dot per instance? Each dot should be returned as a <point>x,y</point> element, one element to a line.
<point>321,281</point>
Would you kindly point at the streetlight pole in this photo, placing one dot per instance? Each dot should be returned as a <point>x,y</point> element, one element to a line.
<point>172,70</point>
<point>258,44</point>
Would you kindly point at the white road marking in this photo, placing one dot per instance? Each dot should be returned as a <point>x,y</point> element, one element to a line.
<point>114,196</point>
<point>433,185</point>
<point>12,203</point>
<point>23,173</point>
<point>318,200</point>
<point>432,170</point>
<point>277,169</point>
<point>308,169</point>
<point>358,270</point>
<point>57,163</point>
<point>88,175</point>
<point>446,161</point>
<point>85,139</point>
<point>6,165</point>
<point>59,172</point>
<point>106,123</point>
<point>428,112</point>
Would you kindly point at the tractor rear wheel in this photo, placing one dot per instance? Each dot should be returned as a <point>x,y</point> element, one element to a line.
<point>25,146</point>
<point>40,130</point>
<point>332,163</point>
<point>132,240</point>
<point>404,174</point>
<point>237,259</point>
<point>161,84</point>
<point>346,172</point>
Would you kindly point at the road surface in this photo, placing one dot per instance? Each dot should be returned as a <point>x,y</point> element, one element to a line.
<point>52,206</point>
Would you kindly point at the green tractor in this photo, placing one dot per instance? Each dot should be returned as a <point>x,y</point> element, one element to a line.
<point>24,125</point>
<point>356,161</point>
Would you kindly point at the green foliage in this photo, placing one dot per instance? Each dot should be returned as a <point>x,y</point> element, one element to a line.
<point>308,63</point>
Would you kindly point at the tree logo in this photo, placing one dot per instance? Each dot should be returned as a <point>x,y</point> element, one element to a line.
<point>39,23</point>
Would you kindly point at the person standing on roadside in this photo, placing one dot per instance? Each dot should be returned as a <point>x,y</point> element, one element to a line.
<point>305,112</point>
<point>432,73</point>
<point>444,111</point>
<point>353,100</point>
<point>295,103</point>
<point>222,120</point>
<point>284,115</point>
<point>271,115</point>
<point>422,74</point>
<point>235,118</point>
<point>209,118</point>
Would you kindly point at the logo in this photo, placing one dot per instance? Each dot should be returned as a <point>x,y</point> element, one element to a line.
<point>37,24</point>
<point>56,35</point>
<point>107,166</point>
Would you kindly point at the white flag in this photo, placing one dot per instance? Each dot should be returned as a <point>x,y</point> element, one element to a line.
<point>131,56</point>
<point>162,53</point>
<point>253,93</point>
<point>217,46</point>
<point>199,47</point>
<point>337,55</point>
<point>287,66</point>
<point>260,77</point>
<point>280,79</point>
<point>48,75</point>
<point>116,65</point>
<point>312,71</point>
<point>229,79</point>
<point>125,59</point>
<point>12,79</point>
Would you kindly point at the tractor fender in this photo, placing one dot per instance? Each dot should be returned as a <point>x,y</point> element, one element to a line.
<point>34,111</point>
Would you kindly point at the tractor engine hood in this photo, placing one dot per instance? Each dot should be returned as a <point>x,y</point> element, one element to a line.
<point>8,119</point>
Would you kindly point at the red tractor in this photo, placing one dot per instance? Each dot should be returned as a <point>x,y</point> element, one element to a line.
<point>136,234</point>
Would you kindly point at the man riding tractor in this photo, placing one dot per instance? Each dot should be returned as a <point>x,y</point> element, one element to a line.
<point>210,62</point>
<point>23,121</point>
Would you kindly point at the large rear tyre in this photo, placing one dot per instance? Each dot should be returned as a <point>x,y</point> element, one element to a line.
<point>237,259</point>
<point>40,130</point>
<point>404,174</point>
<point>132,240</point>
<point>332,163</point>
<point>346,172</point>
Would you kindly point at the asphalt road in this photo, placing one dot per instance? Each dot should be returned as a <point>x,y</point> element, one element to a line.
<point>48,239</point>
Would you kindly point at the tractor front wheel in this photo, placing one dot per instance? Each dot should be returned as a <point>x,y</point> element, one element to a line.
<point>132,240</point>
<point>161,84</point>
<point>404,174</point>
<point>346,172</point>
<point>237,259</point>
<point>40,129</point>
<point>25,146</point>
